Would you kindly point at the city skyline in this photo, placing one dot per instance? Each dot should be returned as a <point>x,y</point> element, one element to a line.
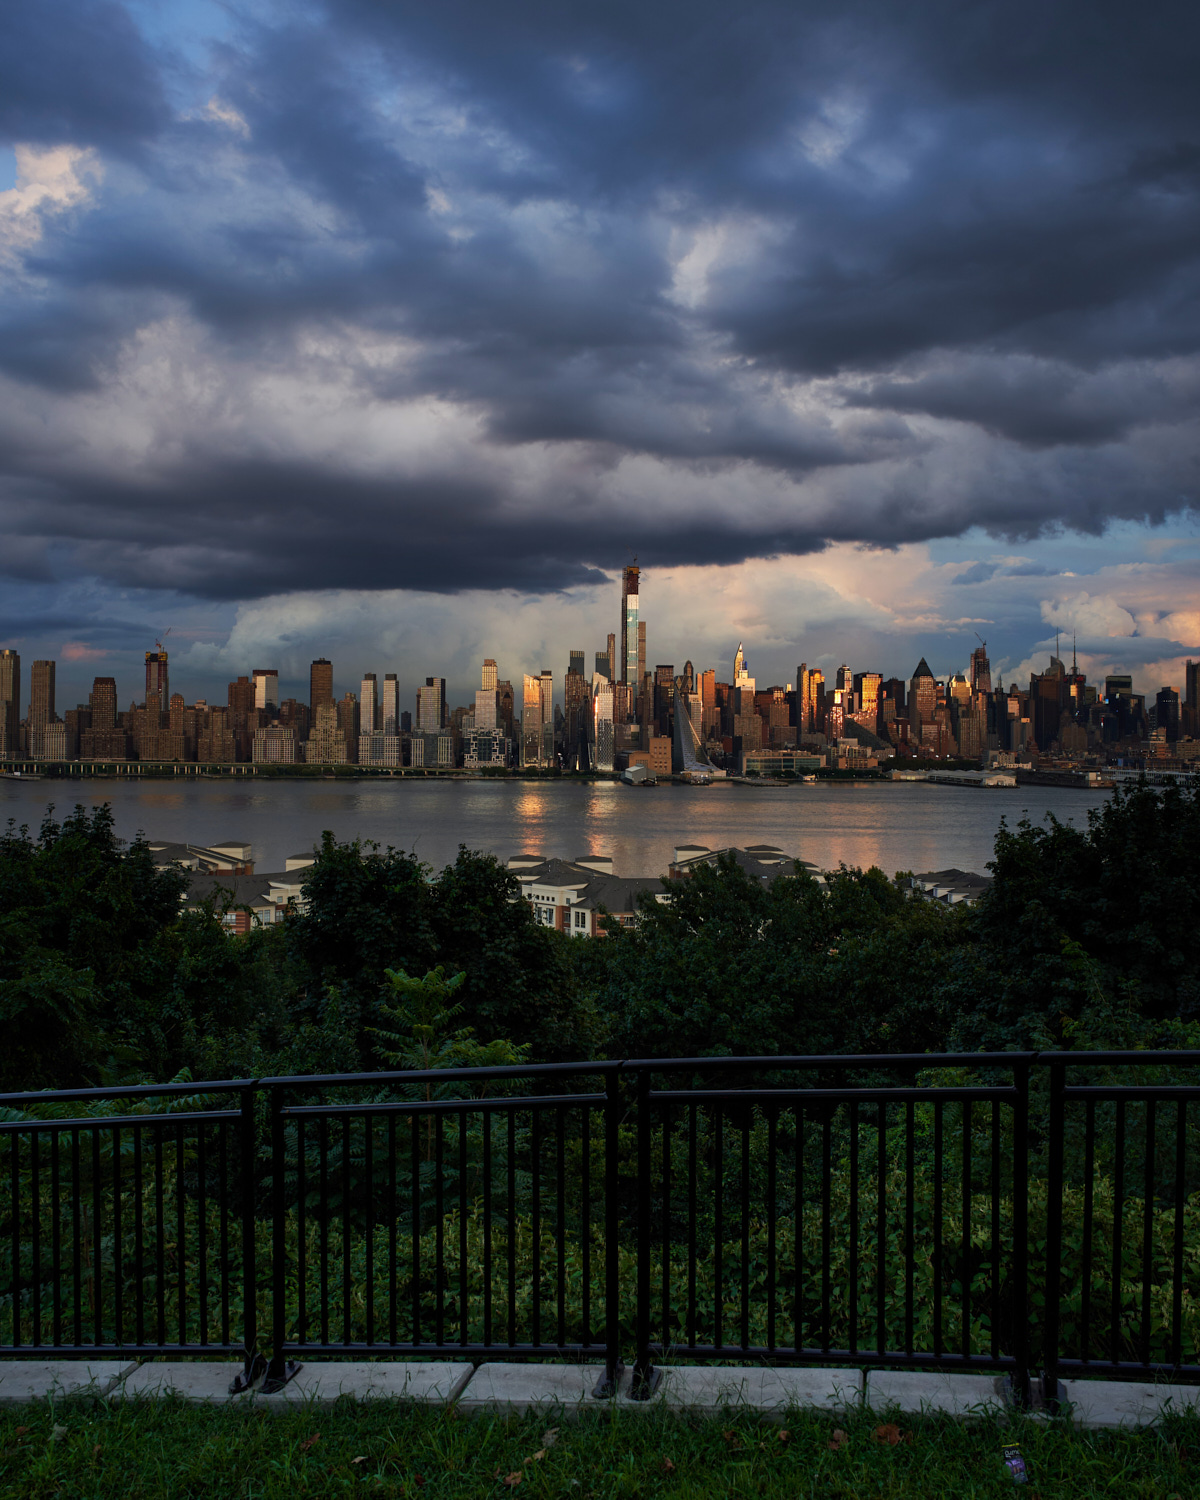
<point>395,334</point>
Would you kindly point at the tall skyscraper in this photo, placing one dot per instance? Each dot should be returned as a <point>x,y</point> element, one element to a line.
<point>629,625</point>
<point>266,690</point>
<point>547,683</point>
<point>41,694</point>
<point>981,669</point>
<point>491,675</point>
<point>368,705</point>
<point>1191,687</point>
<point>390,707</point>
<point>431,706</point>
<point>531,721</point>
<point>320,684</point>
<point>576,703</point>
<point>742,679</point>
<point>156,676</point>
<point>612,658</point>
<point>10,703</point>
<point>922,698</point>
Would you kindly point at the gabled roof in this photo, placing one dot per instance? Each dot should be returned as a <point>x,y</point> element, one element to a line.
<point>922,670</point>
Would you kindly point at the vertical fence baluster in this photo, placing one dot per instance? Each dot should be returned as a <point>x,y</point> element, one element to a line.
<point>223,1227</point>
<point>691,1223</point>
<point>1052,1282</point>
<point>393,1231</point>
<point>1148,1227</point>
<point>301,1236</point>
<point>487,1222</point>
<point>247,1143</point>
<point>910,1252</point>
<point>160,1234</point>
<point>278,1137</point>
<point>966,1276</point>
<point>97,1241</point>
<point>1177,1246</point>
<point>439,1300</point>
<point>718,1225</point>
<point>798,1232</point>
<point>346,1278</point>
<point>853,1228</point>
<point>745,1214</point>
<point>826,1232</point>
<point>881,1232</point>
<point>612,1209</point>
<point>512,1226</point>
<point>937,1227</point>
<point>1118,1246</point>
<point>642,1372</point>
<point>118,1248</point>
<point>535,1211</point>
<point>772,1122</point>
<point>994,1279</point>
<point>201,1224</point>
<point>666,1228</point>
<point>415,1225</point>
<point>560,1217</point>
<point>181,1232</point>
<point>55,1244</point>
<point>139,1270</point>
<point>17,1282</point>
<point>369,1212</point>
<point>1020,1190</point>
<point>35,1259</point>
<point>585,1221</point>
<point>1089,1205</point>
<point>463,1284</point>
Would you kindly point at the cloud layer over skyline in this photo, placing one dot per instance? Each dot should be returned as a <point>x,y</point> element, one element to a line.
<point>386,305</point>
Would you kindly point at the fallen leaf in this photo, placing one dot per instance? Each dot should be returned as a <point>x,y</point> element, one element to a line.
<point>513,1479</point>
<point>839,1439</point>
<point>667,1466</point>
<point>549,1437</point>
<point>784,1435</point>
<point>21,1431</point>
<point>536,1457</point>
<point>95,1452</point>
<point>361,1459</point>
<point>732,1439</point>
<point>309,1441</point>
<point>888,1432</point>
<point>57,1433</point>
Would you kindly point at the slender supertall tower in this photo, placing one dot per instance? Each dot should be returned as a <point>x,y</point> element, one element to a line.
<point>629,624</point>
<point>156,675</point>
<point>10,703</point>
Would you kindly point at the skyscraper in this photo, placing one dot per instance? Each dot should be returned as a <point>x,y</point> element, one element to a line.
<point>1191,686</point>
<point>10,703</point>
<point>629,625</point>
<point>156,676</point>
<point>390,707</point>
<point>547,685</point>
<point>368,704</point>
<point>981,669</point>
<point>612,658</point>
<point>431,706</point>
<point>531,721</point>
<point>41,694</point>
<point>320,684</point>
<point>491,675</point>
<point>922,698</point>
<point>266,690</point>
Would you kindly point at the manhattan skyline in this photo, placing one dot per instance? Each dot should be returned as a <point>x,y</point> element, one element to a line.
<point>392,334</point>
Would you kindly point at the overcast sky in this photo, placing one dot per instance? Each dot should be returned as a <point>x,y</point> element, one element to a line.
<point>389,331</point>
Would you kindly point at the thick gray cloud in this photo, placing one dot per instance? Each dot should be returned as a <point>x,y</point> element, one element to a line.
<point>470,296</point>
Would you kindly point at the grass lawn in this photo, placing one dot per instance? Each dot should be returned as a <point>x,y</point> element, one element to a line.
<point>79,1449</point>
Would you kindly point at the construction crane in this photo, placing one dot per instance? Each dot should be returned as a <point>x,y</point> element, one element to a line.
<point>158,645</point>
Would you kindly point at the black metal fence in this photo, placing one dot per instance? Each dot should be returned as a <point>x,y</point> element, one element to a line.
<point>1012,1212</point>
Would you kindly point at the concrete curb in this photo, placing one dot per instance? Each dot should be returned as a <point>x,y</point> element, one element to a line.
<point>498,1389</point>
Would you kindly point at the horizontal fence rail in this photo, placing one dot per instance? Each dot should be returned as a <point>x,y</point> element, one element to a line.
<point>1018,1213</point>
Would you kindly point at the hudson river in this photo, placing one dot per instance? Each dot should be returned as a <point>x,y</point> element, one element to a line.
<point>902,826</point>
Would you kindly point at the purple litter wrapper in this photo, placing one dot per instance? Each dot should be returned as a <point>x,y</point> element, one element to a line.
<point>1015,1463</point>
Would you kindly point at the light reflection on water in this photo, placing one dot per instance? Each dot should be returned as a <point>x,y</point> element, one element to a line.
<point>912,825</point>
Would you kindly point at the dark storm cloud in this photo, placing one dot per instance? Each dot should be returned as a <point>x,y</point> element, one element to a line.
<point>988,217</point>
<point>78,72</point>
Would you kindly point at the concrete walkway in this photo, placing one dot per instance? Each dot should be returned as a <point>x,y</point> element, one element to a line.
<point>516,1389</point>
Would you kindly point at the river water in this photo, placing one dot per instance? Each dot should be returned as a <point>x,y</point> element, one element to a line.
<point>902,826</point>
